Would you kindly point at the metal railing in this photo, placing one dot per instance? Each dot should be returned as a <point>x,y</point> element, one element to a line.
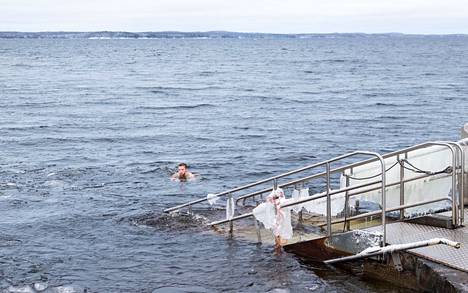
<point>457,205</point>
<point>457,168</point>
<point>404,151</point>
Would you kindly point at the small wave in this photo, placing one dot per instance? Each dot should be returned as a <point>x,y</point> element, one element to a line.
<point>386,104</point>
<point>8,240</point>
<point>171,221</point>
<point>22,65</point>
<point>252,136</point>
<point>55,183</point>
<point>182,289</point>
<point>180,107</point>
<point>169,88</point>
<point>43,287</point>
<point>335,60</point>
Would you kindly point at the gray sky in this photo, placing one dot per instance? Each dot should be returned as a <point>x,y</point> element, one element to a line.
<point>280,16</point>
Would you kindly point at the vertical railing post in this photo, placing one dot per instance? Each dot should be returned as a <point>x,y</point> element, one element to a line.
<point>231,224</point>
<point>346,209</point>
<point>462,185</point>
<point>454,189</point>
<point>402,186</point>
<point>384,202</point>
<point>329,232</point>
<point>299,214</point>
<point>257,229</point>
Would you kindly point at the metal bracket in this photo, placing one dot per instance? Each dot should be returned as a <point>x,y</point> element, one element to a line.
<point>397,261</point>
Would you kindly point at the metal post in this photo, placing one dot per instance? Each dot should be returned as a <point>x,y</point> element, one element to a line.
<point>329,232</point>
<point>454,190</point>
<point>190,209</point>
<point>462,186</point>
<point>257,229</point>
<point>402,186</point>
<point>231,224</point>
<point>346,208</point>
<point>299,215</point>
<point>384,203</point>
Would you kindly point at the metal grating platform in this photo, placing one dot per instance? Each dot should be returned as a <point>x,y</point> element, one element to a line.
<point>398,233</point>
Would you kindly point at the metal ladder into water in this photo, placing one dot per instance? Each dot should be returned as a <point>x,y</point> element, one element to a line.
<point>456,171</point>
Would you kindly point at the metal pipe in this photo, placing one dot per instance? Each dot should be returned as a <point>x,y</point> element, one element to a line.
<point>384,201</point>
<point>346,208</point>
<point>373,251</point>
<point>402,186</point>
<point>461,194</point>
<point>243,216</point>
<point>329,232</point>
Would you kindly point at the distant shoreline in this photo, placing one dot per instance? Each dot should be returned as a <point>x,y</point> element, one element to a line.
<point>197,35</point>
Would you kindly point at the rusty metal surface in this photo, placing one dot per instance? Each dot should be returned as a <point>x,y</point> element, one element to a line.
<point>400,232</point>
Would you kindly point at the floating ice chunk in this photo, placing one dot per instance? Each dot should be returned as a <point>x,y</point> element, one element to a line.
<point>40,286</point>
<point>212,198</point>
<point>230,208</point>
<point>295,196</point>
<point>24,289</point>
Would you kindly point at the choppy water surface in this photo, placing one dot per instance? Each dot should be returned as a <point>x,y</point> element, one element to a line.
<point>90,129</point>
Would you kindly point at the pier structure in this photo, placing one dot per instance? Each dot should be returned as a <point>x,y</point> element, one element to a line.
<point>400,215</point>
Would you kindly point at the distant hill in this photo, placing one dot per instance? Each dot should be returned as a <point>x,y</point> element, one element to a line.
<point>179,35</point>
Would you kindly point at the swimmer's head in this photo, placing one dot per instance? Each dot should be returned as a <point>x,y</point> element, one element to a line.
<point>182,168</point>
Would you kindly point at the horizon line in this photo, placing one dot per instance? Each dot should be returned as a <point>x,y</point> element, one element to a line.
<point>234,32</point>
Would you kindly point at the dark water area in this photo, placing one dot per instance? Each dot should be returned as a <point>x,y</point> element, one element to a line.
<point>90,131</point>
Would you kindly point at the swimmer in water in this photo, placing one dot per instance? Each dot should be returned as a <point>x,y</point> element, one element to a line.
<point>183,174</point>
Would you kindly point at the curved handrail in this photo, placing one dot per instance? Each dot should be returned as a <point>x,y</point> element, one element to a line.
<point>339,169</point>
<point>462,174</point>
<point>449,145</point>
<point>329,192</point>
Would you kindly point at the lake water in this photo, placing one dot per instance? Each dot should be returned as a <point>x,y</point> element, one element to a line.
<point>91,129</point>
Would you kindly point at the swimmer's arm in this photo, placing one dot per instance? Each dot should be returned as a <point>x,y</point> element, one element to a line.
<point>192,177</point>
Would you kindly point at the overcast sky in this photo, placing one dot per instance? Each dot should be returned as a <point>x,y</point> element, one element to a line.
<point>279,16</point>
